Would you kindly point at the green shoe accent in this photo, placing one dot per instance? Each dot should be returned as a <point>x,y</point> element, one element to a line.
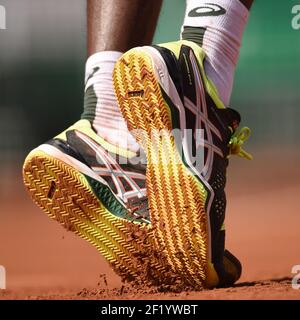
<point>105,195</point>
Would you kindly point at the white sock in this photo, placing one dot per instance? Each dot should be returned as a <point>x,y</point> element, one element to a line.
<point>223,23</point>
<point>100,104</point>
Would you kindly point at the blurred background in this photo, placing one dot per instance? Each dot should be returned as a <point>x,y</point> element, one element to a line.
<point>42,59</point>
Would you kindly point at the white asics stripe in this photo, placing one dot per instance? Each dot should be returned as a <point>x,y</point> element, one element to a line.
<point>199,115</point>
<point>81,167</point>
<point>107,160</point>
<point>56,153</point>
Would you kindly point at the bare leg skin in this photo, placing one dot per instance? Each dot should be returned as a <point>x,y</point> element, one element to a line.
<point>119,25</point>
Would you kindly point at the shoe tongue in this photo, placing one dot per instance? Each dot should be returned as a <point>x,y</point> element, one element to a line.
<point>232,118</point>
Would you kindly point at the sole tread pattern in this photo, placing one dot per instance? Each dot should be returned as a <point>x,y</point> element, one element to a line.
<point>176,198</point>
<point>65,195</point>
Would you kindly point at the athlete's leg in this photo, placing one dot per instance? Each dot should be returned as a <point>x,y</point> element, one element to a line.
<point>166,87</point>
<point>218,28</point>
<point>75,177</point>
<point>113,27</point>
<point>120,25</point>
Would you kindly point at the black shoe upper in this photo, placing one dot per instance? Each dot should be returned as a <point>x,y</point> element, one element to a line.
<point>218,126</point>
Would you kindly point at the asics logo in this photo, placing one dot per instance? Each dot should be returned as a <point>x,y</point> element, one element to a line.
<point>96,69</point>
<point>209,9</point>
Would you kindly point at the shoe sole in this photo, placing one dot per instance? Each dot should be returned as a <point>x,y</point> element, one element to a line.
<point>176,197</point>
<point>66,196</point>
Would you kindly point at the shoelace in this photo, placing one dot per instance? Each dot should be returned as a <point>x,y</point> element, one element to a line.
<point>236,142</point>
